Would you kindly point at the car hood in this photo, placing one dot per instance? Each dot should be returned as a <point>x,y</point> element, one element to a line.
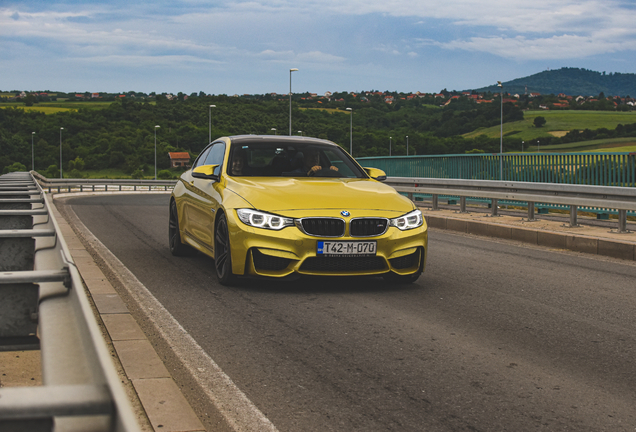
<point>280,194</point>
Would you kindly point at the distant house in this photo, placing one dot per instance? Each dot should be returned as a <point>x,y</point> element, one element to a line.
<point>179,159</point>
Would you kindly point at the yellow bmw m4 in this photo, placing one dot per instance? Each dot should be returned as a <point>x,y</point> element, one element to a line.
<point>277,206</point>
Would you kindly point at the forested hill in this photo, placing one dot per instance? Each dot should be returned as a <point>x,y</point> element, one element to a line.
<point>573,82</point>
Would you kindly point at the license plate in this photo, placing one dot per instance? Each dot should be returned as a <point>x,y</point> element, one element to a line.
<point>346,248</point>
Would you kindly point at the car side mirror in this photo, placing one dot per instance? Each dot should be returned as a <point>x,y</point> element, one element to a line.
<point>205,172</point>
<point>376,174</point>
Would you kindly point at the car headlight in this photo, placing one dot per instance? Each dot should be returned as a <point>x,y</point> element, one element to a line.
<point>260,219</point>
<point>409,221</point>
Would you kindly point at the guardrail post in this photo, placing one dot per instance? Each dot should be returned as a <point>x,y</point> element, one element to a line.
<point>462,204</point>
<point>531,212</point>
<point>410,195</point>
<point>622,222</point>
<point>120,188</point>
<point>435,202</point>
<point>494,211</point>
<point>573,216</point>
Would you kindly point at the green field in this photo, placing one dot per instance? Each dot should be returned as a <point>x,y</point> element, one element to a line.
<point>56,107</point>
<point>556,121</point>
<point>603,145</point>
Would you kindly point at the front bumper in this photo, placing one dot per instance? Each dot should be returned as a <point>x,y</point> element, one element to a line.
<point>262,252</point>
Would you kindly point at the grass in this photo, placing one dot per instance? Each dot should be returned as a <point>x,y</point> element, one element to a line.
<point>58,106</point>
<point>329,110</point>
<point>602,145</point>
<point>556,121</point>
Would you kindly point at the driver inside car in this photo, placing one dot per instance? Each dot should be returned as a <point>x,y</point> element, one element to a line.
<point>311,162</point>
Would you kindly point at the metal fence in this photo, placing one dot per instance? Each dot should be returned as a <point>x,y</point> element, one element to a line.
<point>621,199</point>
<point>43,306</point>
<point>598,169</point>
<point>98,185</point>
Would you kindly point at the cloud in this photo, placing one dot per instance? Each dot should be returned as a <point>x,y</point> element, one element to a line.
<point>307,57</point>
<point>175,61</point>
<point>555,47</point>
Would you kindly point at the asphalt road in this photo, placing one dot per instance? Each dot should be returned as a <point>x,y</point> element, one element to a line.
<point>494,336</point>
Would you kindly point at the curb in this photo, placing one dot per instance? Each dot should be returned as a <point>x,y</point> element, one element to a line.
<point>589,244</point>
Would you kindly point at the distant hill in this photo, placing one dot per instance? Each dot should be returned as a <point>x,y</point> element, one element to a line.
<point>573,82</point>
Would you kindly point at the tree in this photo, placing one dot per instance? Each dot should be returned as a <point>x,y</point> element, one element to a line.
<point>16,166</point>
<point>539,121</point>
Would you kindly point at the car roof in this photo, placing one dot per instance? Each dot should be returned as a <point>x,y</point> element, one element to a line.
<point>246,139</point>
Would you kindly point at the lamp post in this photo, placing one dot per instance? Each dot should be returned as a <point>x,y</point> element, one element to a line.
<point>157,126</point>
<point>210,127</point>
<point>390,138</point>
<point>407,145</point>
<point>537,146</point>
<point>32,153</point>
<point>522,146</point>
<point>350,131</point>
<point>61,152</point>
<point>290,96</point>
<point>500,85</point>
<point>274,129</point>
<point>300,133</point>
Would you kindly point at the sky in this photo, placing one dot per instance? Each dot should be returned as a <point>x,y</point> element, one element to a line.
<point>248,47</point>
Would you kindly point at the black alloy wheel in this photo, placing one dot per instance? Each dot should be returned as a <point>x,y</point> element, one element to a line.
<point>174,238</point>
<point>222,253</point>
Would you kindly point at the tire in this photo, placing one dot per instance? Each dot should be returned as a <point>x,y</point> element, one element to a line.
<point>222,253</point>
<point>177,248</point>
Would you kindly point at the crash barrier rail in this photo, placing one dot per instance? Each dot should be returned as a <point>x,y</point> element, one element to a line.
<point>43,306</point>
<point>597,168</point>
<point>621,199</point>
<point>102,185</point>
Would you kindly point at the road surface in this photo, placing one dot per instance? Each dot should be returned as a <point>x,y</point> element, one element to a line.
<point>495,336</point>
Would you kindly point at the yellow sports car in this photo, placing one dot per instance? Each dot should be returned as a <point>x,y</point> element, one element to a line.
<point>277,206</point>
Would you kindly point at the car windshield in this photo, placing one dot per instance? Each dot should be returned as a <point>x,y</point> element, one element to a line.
<point>276,159</point>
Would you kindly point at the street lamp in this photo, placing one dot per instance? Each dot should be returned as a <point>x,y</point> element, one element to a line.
<point>210,127</point>
<point>274,129</point>
<point>157,126</point>
<point>290,96</point>
<point>390,138</point>
<point>61,152</point>
<point>407,145</point>
<point>499,84</point>
<point>32,153</point>
<point>537,146</point>
<point>522,146</point>
<point>350,131</point>
<point>300,133</point>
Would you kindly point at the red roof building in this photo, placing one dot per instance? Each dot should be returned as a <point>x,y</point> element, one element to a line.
<point>179,159</point>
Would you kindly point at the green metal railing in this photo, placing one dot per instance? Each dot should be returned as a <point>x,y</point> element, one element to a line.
<point>599,169</point>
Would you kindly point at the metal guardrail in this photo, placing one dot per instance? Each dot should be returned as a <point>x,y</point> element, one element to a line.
<point>43,306</point>
<point>102,185</point>
<point>592,168</point>
<point>621,199</point>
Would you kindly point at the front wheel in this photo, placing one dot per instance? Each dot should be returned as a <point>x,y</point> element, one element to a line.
<point>222,253</point>
<point>174,237</point>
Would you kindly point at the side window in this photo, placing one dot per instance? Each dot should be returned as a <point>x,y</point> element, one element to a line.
<point>215,156</point>
<point>201,158</point>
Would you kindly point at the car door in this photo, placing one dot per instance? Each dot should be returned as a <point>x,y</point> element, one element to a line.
<point>205,197</point>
